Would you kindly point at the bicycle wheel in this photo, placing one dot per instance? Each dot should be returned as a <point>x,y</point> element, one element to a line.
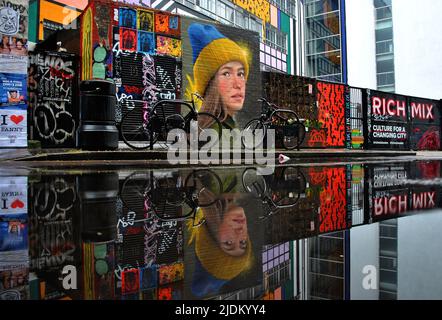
<point>134,191</point>
<point>204,186</point>
<point>293,131</point>
<point>254,134</point>
<point>206,121</point>
<point>135,130</point>
<point>254,183</point>
<point>293,184</point>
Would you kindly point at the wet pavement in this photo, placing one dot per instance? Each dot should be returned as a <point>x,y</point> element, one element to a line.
<point>367,230</point>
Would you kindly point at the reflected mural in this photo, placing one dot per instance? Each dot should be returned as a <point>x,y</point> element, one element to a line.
<point>217,234</point>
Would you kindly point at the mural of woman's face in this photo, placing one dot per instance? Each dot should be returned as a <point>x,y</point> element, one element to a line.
<point>233,232</point>
<point>231,83</point>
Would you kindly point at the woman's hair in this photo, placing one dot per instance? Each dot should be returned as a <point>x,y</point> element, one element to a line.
<point>212,104</point>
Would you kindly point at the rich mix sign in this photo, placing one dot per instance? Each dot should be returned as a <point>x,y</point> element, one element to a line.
<point>387,121</point>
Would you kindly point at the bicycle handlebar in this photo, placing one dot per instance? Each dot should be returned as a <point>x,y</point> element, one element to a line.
<point>269,104</point>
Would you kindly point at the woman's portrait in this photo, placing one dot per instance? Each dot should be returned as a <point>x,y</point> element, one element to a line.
<point>222,243</point>
<point>220,72</point>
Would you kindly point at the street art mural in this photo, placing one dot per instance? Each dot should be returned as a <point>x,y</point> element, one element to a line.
<point>331,105</point>
<point>220,62</point>
<point>54,114</point>
<point>320,105</point>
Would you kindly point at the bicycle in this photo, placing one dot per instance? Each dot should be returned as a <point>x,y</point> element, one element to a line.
<point>280,191</point>
<point>170,198</point>
<point>142,127</point>
<point>285,122</point>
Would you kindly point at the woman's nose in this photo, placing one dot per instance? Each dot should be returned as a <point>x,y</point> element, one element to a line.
<point>237,82</point>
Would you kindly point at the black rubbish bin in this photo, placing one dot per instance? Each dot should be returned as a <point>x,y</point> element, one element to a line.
<point>98,206</point>
<point>98,130</point>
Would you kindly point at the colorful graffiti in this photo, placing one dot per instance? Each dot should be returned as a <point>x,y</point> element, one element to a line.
<point>168,46</point>
<point>333,199</point>
<point>171,273</point>
<point>167,24</point>
<point>331,104</point>
<point>86,45</point>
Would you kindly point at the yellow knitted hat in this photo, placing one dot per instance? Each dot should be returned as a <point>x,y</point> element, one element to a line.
<point>216,261</point>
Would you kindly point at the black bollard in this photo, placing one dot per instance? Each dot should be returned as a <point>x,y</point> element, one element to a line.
<point>98,130</point>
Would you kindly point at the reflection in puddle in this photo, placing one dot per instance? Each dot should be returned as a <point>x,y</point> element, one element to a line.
<point>312,232</point>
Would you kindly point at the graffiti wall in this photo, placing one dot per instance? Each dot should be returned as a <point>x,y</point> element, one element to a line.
<point>52,84</point>
<point>320,105</point>
<point>425,124</point>
<point>221,63</point>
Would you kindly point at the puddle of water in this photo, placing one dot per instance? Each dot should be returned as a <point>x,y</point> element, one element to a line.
<point>354,231</point>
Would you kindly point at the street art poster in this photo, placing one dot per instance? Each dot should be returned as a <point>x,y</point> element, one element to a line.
<point>14,196</point>
<point>387,122</point>
<point>14,130</point>
<point>13,88</point>
<point>146,42</point>
<point>13,46</point>
<point>171,273</point>
<point>168,46</point>
<point>162,23</point>
<point>146,20</point>
<point>425,124</point>
<point>148,278</point>
<point>128,39</point>
<point>13,235</point>
<point>130,281</point>
<point>14,18</point>
<point>128,18</point>
<point>217,51</point>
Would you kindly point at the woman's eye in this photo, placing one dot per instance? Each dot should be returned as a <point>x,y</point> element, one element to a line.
<point>226,74</point>
<point>228,243</point>
<point>242,74</point>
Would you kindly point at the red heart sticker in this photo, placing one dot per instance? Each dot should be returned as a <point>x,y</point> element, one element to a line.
<point>17,204</point>
<point>17,119</point>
